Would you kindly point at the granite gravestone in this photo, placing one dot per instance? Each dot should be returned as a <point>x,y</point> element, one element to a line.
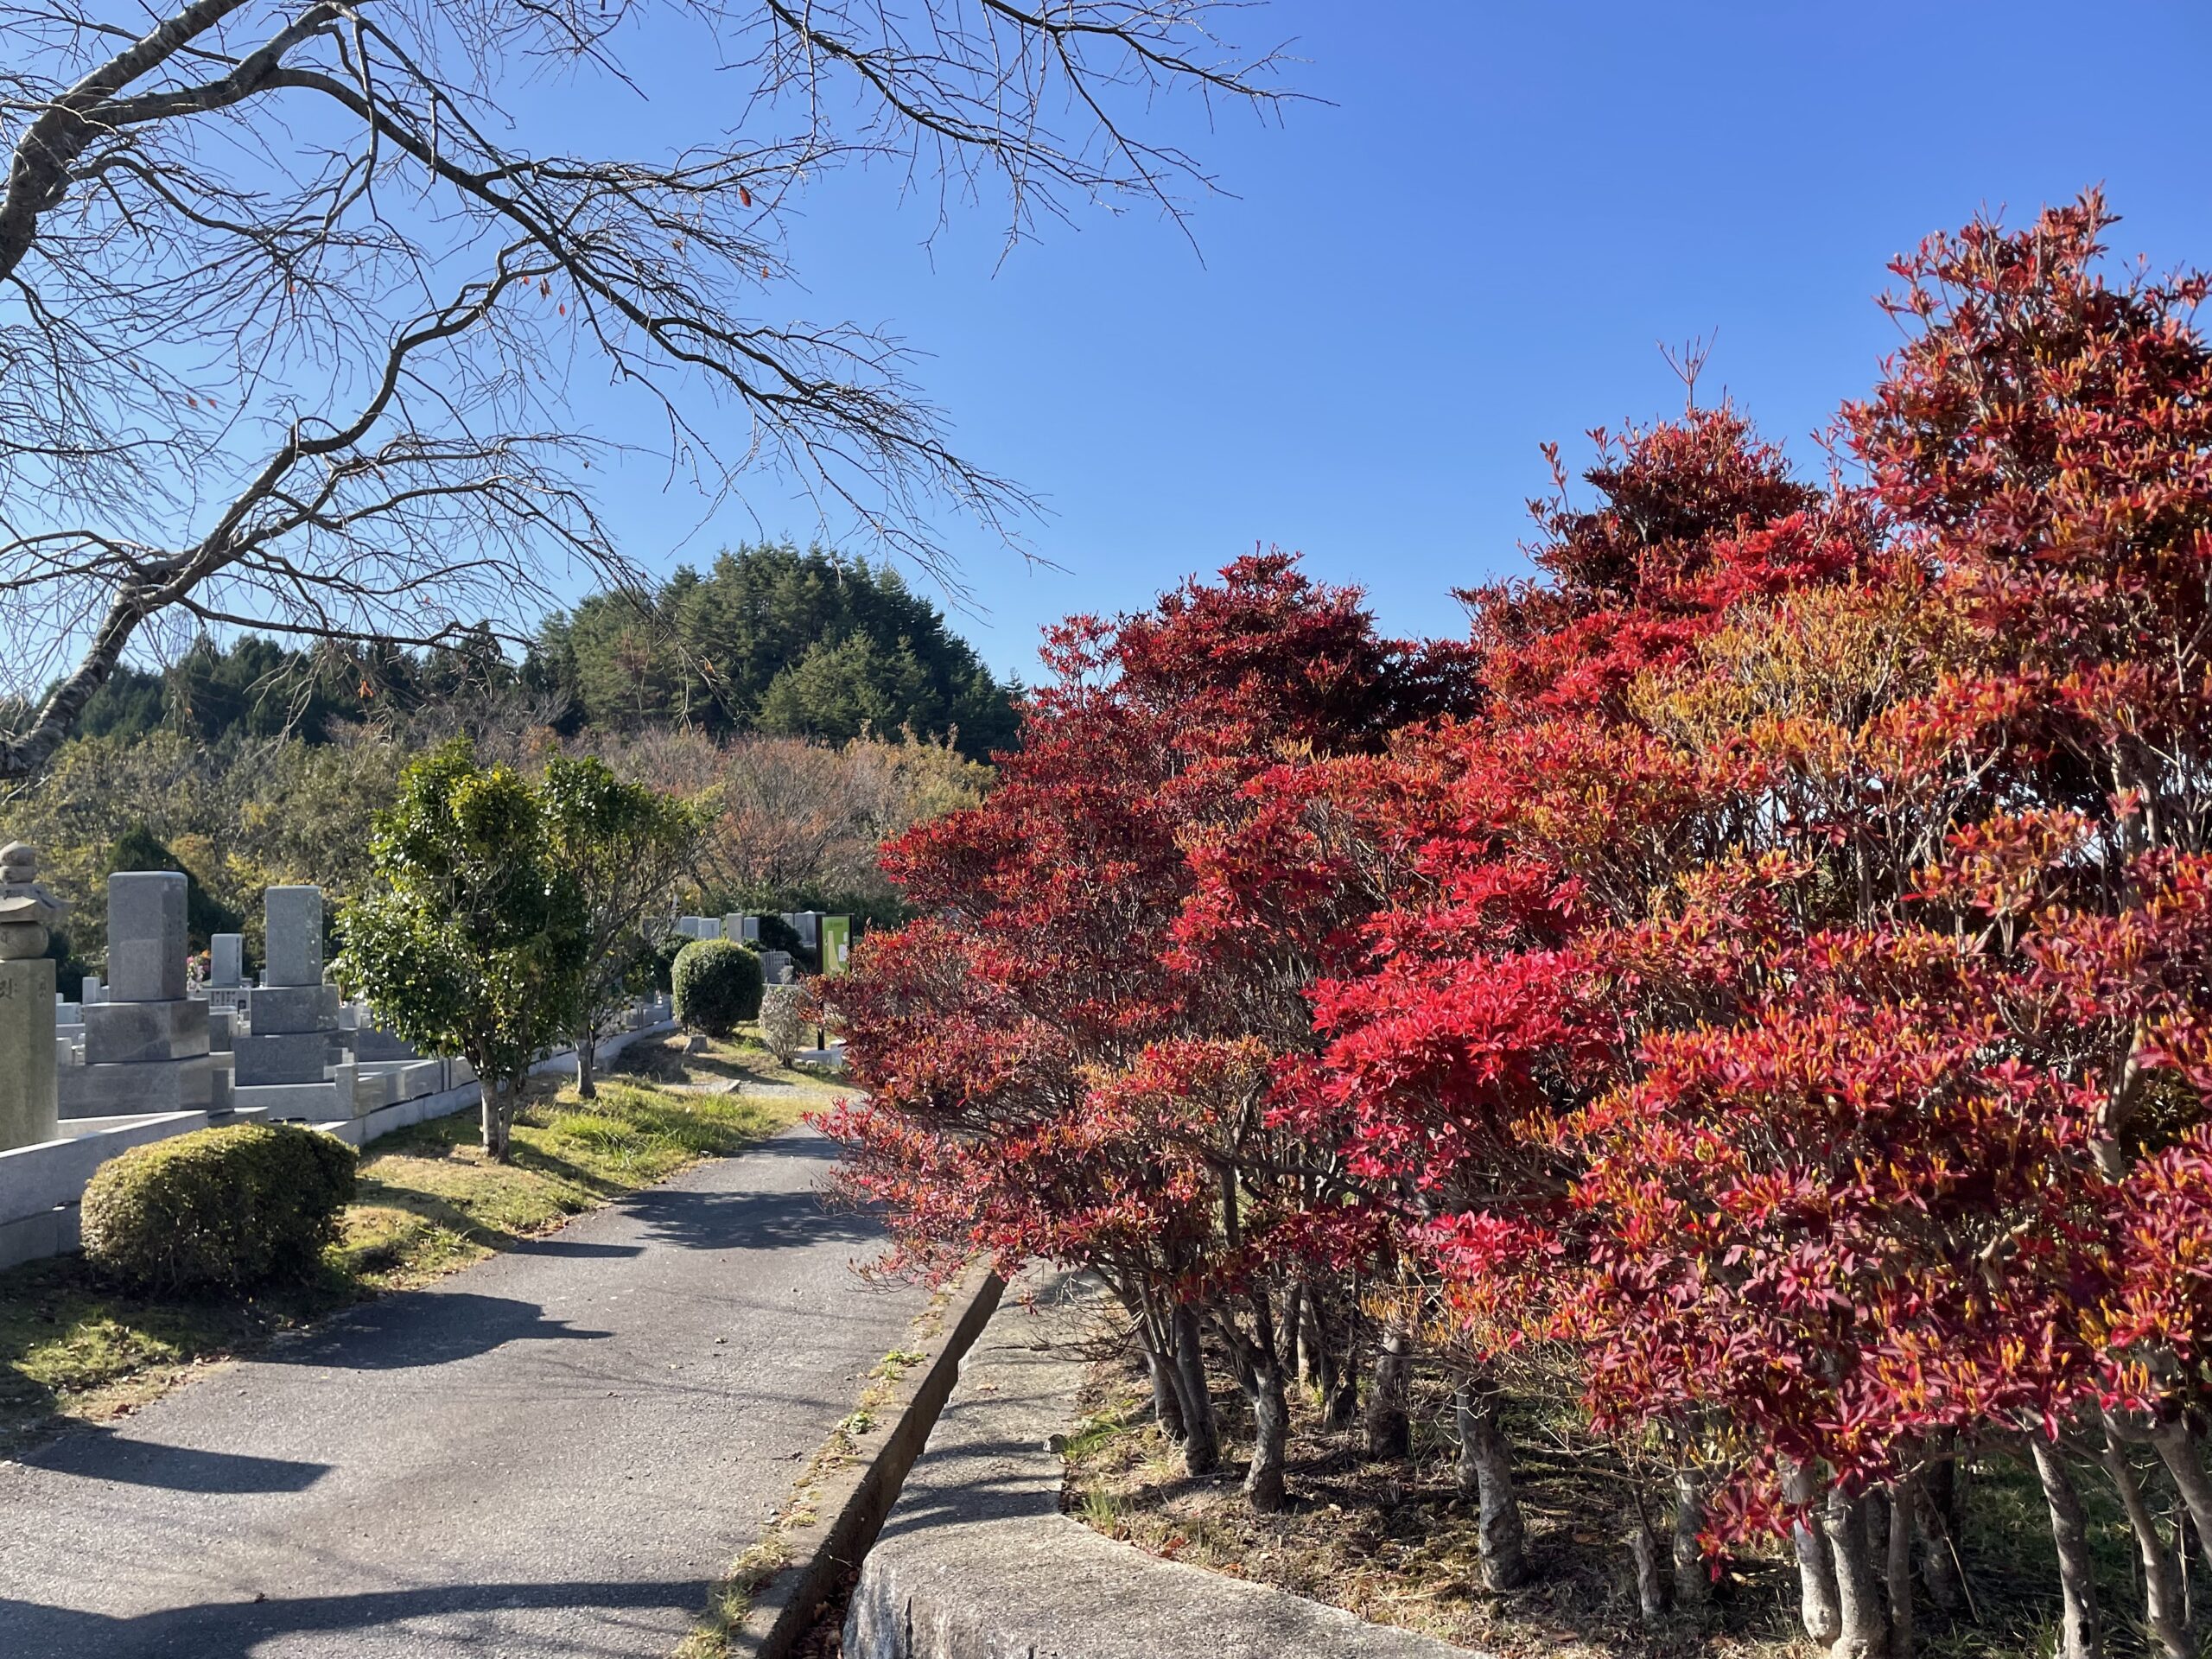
<point>145,1040</point>
<point>292,1018</point>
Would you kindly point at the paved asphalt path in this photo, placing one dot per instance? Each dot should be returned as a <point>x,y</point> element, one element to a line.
<point>552,1453</point>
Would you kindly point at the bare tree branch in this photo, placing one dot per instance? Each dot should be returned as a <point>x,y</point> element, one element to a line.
<point>290,305</point>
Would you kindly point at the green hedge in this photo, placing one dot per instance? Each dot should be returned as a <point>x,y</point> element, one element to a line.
<point>718,984</point>
<point>218,1209</point>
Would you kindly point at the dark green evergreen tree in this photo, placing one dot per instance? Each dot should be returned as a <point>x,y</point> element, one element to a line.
<point>776,640</point>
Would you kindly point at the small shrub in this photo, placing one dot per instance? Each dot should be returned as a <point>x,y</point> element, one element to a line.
<point>783,1021</point>
<point>718,984</point>
<point>218,1209</point>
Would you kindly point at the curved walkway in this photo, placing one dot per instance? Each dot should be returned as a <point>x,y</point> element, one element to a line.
<point>554,1453</point>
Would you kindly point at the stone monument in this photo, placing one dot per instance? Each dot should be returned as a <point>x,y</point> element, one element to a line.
<point>281,1060</point>
<point>146,1041</point>
<point>27,913</point>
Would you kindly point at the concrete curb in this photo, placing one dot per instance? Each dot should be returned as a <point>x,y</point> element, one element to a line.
<point>979,1560</point>
<point>852,1501</point>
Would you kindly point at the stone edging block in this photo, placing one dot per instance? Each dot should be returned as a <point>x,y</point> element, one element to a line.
<point>978,1560</point>
<point>851,1502</point>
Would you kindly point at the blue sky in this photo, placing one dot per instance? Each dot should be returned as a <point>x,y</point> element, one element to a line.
<point>1474,245</point>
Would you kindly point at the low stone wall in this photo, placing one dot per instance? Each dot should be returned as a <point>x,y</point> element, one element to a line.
<point>42,1186</point>
<point>978,1562</point>
<point>384,1119</point>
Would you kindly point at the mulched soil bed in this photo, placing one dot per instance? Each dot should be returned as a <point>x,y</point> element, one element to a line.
<point>1394,1542</point>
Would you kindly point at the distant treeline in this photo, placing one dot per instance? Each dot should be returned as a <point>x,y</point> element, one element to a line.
<point>770,640</point>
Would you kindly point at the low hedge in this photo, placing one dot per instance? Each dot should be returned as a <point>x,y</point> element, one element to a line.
<point>218,1209</point>
<point>717,984</point>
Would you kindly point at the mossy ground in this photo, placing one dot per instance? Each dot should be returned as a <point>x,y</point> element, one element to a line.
<point>73,1345</point>
<point>1393,1542</point>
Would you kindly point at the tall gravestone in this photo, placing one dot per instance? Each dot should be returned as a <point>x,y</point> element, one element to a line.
<point>280,1061</point>
<point>146,1041</point>
<point>226,962</point>
<point>291,1010</point>
<point>27,1105</point>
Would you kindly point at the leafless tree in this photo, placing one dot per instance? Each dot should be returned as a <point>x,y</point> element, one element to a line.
<point>293,292</point>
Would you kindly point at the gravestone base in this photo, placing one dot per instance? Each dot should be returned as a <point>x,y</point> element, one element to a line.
<point>136,1033</point>
<point>131,1091</point>
<point>28,1113</point>
<point>281,1058</point>
<point>371,1044</point>
<point>282,1010</point>
<point>319,1103</point>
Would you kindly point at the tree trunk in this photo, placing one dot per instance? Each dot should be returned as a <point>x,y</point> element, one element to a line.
<point>489,1092</point>
<point>1317,1366</point>
<point>1293,1332</point>
<point>1863,1628</point>
<point>1270,1434</point>
<point>588,1066</point>
<point>1486,1476</point>
<point>1201,1432</point>
<point>1166,1403</point>
<point>1936,1502</point>
<point>1650,1581</point>
<point>2162,1598</point>
<point>1899,1568</point>
<point>2080,1636</point>
<point>2175,1445</point>
<point>1389,1434</point>
<point>1816,1589</point>
<point>1693,1578</point>
<point>1340,1384</point>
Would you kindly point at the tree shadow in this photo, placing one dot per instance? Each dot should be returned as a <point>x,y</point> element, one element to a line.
<point>420,1328</point>
<point>236,1630</point>
<point>739,1221</point>
<point>572,1248</point>
<point>101,1454</point>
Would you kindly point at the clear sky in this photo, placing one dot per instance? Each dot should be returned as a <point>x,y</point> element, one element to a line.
<point>1476,245</point>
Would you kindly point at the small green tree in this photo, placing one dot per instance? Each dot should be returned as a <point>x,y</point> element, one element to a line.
<point>626,847</point>
<point>474,938</point>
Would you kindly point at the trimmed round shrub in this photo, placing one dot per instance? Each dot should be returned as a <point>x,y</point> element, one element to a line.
<point>783,1021</point>
<point>218,1209</point>
<point>718,984</point>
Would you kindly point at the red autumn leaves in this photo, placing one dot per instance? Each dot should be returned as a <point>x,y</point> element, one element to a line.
<point>1770,964</point>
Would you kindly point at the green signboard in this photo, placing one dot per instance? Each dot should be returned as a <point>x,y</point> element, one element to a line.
<point>836,943</point>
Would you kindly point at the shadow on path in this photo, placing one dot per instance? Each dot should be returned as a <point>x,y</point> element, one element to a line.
<point>235,1629</point>
<point>99,1454</point>
<point>575,1248</point>
<point>694,1220</point>
<point>429,1328</point>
